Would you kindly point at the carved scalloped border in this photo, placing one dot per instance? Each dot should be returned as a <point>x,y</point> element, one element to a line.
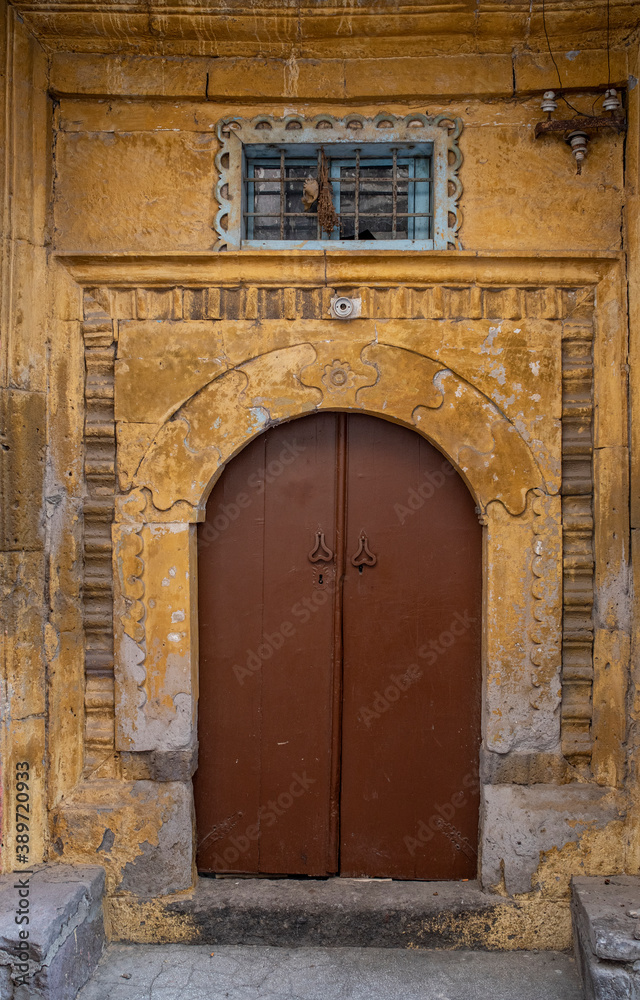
<point>414,127</point>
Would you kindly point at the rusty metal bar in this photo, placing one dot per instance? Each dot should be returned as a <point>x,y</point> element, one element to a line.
<point>585,123</point>
<point>346,215</point>
<point>317,215</point>
<point>282,202</point>
<point>368,215</point>
<point>343,180</point>
<point>394,194</point>
<point>356,223</point>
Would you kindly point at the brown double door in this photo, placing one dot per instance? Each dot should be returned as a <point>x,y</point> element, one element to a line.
<point>340,622</point>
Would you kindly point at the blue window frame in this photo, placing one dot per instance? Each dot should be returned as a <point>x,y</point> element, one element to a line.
<point>392,181</point>
<point>380,192</point>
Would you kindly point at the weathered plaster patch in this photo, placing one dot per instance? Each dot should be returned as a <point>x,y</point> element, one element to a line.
<point>524,824</point>
<point>152,824</point>
<point>500,375</point>
<point>487,344</point>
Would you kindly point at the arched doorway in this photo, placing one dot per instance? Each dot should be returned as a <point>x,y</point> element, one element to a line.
<point>340,631</point>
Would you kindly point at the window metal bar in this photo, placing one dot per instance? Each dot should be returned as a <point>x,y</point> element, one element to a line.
<point>343,180</point>
<point>319,162</point>
<point>365,189</point>
<point>336,191</point>
<point>251,200</point>
<point>356,222</point>
<point>384,180</point>
<point>367,215</point>
<point>420,168</point>
<point>282,204</point>
<point>394,195</point>
<point>411,203</point>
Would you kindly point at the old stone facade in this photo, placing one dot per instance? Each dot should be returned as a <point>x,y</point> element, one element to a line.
<point>142,350</point>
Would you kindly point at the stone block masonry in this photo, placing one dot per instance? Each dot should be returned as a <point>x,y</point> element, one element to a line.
<point>606,930</point>
<point>60,908</point>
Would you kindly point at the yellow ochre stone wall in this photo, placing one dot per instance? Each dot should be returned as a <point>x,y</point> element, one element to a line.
<point>137,360</point>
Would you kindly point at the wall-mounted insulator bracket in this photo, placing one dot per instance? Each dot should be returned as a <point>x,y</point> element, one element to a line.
<point>611,100</point>
<point>549,103</point>
<point>577,131</point>
<point>578,141</point>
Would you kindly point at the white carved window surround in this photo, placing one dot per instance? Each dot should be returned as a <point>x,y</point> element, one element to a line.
<point>394,182</point>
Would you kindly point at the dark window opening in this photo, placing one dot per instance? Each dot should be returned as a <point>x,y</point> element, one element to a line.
<point>378,191</point>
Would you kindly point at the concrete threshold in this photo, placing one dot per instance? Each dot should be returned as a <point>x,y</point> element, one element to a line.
<point>341,912</point>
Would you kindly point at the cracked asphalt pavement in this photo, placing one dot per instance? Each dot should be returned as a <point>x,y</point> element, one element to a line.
<point>252,972</point>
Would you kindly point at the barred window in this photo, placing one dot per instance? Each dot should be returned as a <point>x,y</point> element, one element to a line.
<point>338,183</point>
<point>378,192</point>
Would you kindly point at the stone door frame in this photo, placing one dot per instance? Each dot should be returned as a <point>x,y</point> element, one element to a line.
<point>154,530</point>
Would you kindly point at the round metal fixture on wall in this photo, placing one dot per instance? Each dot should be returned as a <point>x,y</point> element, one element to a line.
<point>343,307</point>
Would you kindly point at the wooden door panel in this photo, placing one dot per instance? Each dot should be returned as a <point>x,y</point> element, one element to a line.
<point>412,632</point>
<point>274,634</point>
<point>263,783</point>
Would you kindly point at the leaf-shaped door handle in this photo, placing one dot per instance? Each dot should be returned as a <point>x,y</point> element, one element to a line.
<point>364,556</point>
<point>321,551</point>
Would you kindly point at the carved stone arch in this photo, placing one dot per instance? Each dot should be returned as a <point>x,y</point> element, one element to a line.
<point>155,550</point>
<point>189,452</point>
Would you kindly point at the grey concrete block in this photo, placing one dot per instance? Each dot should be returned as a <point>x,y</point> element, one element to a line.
<point>521,767</point>
<point>160,765</point>
<point>167,866</point>
<point>66,931</point>
<point>521,823</point>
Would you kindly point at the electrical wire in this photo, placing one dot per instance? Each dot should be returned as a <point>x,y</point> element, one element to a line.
<point>582,114</point>
<point>608,50</point>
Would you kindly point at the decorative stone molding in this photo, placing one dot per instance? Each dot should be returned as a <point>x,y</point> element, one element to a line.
<point>523,661</point>
<point>156,646</point>
<point>578,530</point>
<point>191,448</point>
<point>440,133</point>
<point>187,454</point>
<point>203,32</point>
<point>313,301</point>
<point>238,387</point>
<point>546,588</point>
<point>99,468</point>
<point>339,377</point>
<point>125,274</point>
<point>196,326</point>
<point>130,568</point>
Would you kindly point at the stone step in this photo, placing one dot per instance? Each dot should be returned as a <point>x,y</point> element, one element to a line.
<point>57,943</point>
<point>342,912</point>
<point>606,927</point>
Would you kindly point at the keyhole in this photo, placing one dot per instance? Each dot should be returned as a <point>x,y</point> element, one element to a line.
<point>360,568</point>
<point>320,578</point>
